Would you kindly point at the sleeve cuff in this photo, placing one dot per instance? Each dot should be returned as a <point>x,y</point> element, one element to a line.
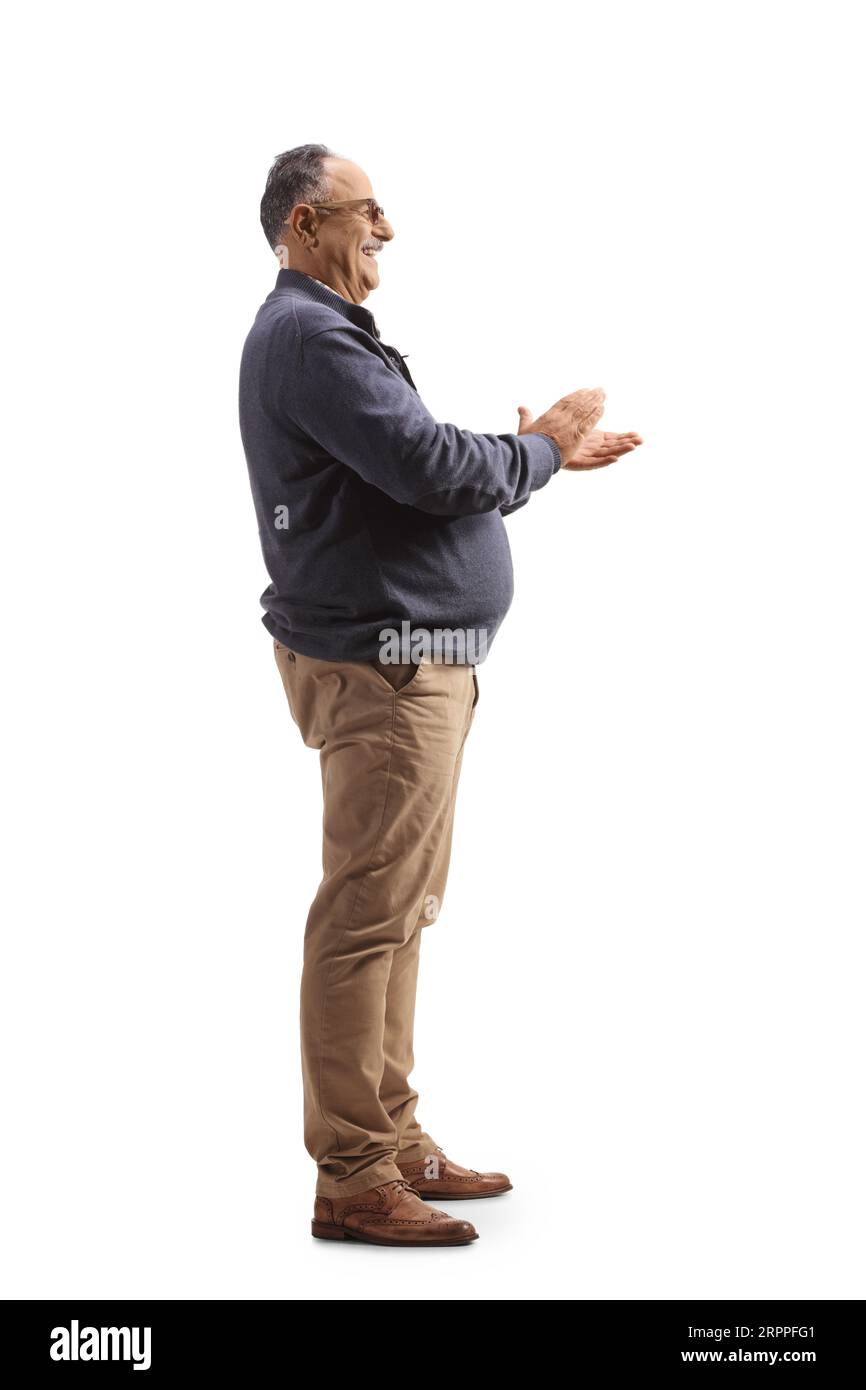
<point>557,456</point>
<point>545,458</point>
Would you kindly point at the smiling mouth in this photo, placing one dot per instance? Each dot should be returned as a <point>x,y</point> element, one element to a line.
<point>371,249</point>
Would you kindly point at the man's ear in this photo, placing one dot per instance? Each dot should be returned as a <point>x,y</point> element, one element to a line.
<point>304,224</point>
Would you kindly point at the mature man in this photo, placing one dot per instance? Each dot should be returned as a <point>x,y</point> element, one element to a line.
<point>376,521</point>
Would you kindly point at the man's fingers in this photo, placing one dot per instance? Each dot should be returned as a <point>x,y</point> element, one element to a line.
<point>586,394</point>
<point>588,418</point>
<point>621,441</point>
<point>609,440</point>
<point>587,405</point>
<point>525,418</point>
<point>609,452</point>
<point>589,421</point>
<point>603,448</point>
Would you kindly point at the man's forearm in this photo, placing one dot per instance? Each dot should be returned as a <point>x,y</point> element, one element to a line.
<point>367,416</point>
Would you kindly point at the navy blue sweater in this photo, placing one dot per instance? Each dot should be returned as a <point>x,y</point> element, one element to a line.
<point>371,514</point>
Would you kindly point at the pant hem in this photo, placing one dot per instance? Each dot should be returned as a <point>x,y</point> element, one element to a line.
<point>349,1187</point>
<point>415,1152</point>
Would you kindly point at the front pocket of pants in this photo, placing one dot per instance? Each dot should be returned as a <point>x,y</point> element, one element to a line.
<point>396,689</point>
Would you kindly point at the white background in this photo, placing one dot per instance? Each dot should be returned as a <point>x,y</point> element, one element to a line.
<point>644,996</point>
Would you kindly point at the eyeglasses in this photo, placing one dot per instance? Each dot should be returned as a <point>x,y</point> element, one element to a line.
<point>375,211</point>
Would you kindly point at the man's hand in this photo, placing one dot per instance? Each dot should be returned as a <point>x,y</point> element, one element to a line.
<point>602,447</point>
<point>571,423</point>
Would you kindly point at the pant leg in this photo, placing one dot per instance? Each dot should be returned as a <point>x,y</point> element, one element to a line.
<point>397,1095</point>
<point>388,760</point>
<point>399,1098</point>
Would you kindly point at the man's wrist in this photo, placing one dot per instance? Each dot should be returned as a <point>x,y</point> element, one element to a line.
<point>558,458</point>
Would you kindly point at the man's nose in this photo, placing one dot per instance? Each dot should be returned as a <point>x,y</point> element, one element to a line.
<point>384,230</point>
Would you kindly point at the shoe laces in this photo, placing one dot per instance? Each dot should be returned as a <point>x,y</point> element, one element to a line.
<point>400,1183</point>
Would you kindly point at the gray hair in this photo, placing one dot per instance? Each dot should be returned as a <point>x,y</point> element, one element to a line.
<point>297,176</point>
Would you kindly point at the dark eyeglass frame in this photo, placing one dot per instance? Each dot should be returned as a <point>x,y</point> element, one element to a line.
<point>375,211</point>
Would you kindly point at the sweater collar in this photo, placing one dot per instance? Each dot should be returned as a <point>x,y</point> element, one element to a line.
<point>299,283</point>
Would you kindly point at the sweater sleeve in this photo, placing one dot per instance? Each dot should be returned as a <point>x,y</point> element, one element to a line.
<point>367,416</point>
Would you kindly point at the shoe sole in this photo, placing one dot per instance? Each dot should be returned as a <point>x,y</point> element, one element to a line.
<point>322,1230</point>
<point>461,1196</point>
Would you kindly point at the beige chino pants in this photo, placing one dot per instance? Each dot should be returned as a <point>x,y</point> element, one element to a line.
<point>391,745</point>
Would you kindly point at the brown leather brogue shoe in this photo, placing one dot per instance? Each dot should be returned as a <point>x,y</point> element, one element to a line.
<point>436,1176</point>
<point>390,1214</point>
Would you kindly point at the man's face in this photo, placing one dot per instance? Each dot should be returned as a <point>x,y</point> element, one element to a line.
<point>348,243</point>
